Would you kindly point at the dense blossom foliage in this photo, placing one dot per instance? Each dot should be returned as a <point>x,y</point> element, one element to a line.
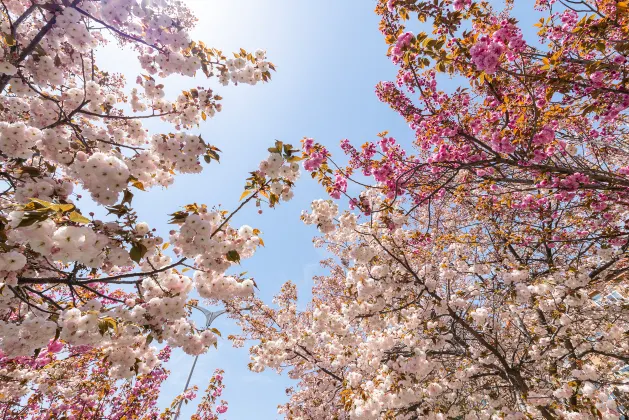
<point>82,296</point>
<point>482,274</point>
<point>78,386</point>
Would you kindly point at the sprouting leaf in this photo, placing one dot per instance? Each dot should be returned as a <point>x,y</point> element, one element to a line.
<point>212,154</point>
<point>165,246</point>
<point>52,206</point>
<point>278,146</point>
<point>110,323</point>
<point>138,185</point>
<point>244,194</point>
<point>215,331</point>
<point>77,217</point>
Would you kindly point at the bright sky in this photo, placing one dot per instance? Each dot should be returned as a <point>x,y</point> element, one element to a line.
<point>329,56</point>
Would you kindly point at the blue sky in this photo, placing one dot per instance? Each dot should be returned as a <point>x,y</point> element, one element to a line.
<point>329,56</point>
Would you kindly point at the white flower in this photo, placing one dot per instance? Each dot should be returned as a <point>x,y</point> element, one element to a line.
<point>12,261</point>
<point>245,232</point>
<point>7,68</point>
<point>260,54</point>
<point>142,228</point>
<point>434,389</point>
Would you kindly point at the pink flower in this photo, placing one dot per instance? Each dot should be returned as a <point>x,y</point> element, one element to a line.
<point>545,136</point>
<point>313,163</point>
<point>55,346</point>
<point>308,144</point>
<point>461,4</point>
<point>404,40</point>
<point>597,77</point>
<point>340,186</point>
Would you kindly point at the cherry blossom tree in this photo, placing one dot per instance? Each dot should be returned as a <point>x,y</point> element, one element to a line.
<point>482,274</point>
<point>83,296</point>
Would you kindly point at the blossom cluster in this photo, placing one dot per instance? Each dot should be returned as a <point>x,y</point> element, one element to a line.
<point>487,51</point>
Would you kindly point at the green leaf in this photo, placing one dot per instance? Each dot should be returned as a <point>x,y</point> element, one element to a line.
<point>233,256</point>
<point>30,170</point>
<point>119,210</point>
<point>10,40</point>
<point>178,217</point>
<point>137,252</point>
<point>127,197</point>
<point>32,217</point>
